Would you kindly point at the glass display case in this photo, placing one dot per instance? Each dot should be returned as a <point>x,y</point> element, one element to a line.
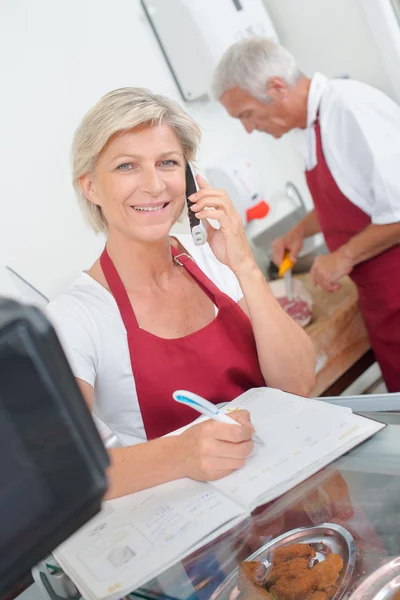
<point>358,494</point>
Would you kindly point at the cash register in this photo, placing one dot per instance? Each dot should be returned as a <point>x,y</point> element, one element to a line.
<point>52,460</point>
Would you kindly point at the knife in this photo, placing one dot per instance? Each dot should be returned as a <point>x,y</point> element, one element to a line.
<point>285,271</point>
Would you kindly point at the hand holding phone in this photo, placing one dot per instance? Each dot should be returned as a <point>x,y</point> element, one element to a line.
<point>197,227</point>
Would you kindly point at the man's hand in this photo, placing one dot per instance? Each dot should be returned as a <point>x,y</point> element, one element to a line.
<point>292,241</point>
<point>328,269</point>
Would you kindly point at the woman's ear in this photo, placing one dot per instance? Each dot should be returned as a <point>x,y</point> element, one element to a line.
<point>88,188</point>
<point>277,89</point>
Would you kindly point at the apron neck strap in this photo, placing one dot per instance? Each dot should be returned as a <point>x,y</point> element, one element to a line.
<point>185,260</point>
<point>121,297</point>
<point>118,291</point>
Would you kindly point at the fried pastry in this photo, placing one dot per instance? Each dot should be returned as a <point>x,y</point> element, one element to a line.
<point>251,573</point>
<point>295,574</point>
<point>290,568</point>
<point>331,591</point>
<point>293,551</point>
<point>295,588</point>
<point>328,571</point>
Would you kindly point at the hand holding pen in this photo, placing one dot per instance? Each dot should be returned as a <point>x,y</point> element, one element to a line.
<point>213,449</point>
<point>207,409</point>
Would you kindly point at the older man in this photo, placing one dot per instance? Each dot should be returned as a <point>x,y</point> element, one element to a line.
<point>349,136</point>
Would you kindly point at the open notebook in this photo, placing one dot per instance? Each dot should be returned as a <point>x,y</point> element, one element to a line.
<point>137,537</point>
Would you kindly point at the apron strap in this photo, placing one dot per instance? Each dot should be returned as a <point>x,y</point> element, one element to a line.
<point>118,291</point>
<point>122,299</point>
<point>213,292</point>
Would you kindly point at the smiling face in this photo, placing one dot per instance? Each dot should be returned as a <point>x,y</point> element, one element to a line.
<point>276,117</point>
<point>139,182</point>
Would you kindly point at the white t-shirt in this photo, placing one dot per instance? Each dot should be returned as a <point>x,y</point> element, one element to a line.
<point>360,131</point>
<point>93,336</point>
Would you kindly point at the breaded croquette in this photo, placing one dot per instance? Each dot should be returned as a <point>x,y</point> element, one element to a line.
<point>331,591</point>
<point>251,573</point>
<point>328,571</point>
<point>295,588</point>
<point>293,551</point>
<point>292,575</point>
<point>290,568</point>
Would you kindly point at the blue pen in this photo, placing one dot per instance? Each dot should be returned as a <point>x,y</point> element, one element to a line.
<point>208,409</point>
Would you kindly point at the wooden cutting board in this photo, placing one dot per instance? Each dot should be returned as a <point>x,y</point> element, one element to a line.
<point>337,331</point>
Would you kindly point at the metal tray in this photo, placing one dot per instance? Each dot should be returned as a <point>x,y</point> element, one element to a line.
<point>326,538</point>
<point>380,585</point>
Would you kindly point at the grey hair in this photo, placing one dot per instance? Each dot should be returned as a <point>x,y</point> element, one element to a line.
<point>250,63</point>
<point>118,111</point>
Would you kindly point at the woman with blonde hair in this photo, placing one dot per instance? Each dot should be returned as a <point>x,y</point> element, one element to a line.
<point>156,313</point>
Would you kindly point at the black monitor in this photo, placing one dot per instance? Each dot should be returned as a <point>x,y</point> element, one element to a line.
<point>52,459</point>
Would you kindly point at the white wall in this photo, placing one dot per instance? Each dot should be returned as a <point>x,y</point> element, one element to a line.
<point>383,20</point>
<point>330,36</point>
<point>56,60</point>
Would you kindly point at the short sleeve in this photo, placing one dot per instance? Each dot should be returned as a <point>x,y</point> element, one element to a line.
<point>374,155</point>
<point>77,332</point>
<point>383,144</point>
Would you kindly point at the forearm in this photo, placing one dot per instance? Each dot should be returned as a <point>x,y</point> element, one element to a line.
<point>370,242</point>
<point>309,225</point>
<point>285,352</point>
<point>143,466</point>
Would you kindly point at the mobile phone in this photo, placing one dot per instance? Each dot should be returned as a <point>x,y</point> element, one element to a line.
<point>197,227</point>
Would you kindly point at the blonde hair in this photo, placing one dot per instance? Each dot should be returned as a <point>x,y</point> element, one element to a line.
<point>118,111</point>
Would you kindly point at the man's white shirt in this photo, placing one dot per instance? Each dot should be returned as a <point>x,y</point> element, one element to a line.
<point>360,131</point>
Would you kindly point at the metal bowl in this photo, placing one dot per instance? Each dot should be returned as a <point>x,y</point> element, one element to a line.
<point>325,538</point>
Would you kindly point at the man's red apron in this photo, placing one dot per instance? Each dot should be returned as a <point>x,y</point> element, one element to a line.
<point>377,279</point>
<point>218,362</point>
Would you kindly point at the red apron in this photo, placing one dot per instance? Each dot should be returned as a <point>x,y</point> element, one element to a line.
<point>377,279</point>
<point>218,362</point>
